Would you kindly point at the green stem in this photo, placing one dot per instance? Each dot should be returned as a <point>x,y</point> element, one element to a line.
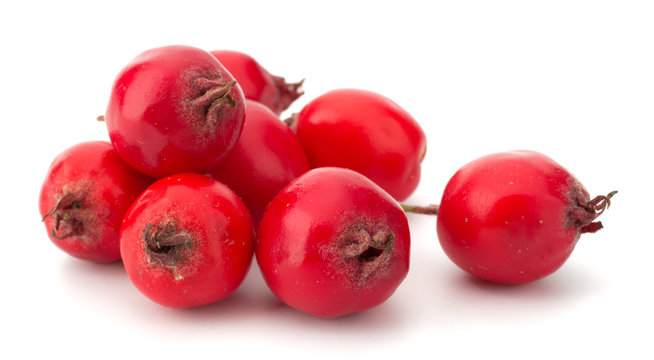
<point>424,210</point>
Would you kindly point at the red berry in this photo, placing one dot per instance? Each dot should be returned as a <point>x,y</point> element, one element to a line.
<point>86,191</point>
<point>333,243</point>
<point>514,217</point>
<point>174,109</point>
<point>257,83</point>
<point>187,241</point>
<point>265,159</point>
<point>365,132</point>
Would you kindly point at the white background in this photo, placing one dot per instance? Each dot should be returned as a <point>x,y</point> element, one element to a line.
<point>571,79</point>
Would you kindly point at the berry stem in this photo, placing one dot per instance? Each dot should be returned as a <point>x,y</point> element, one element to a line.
<point>424,210</point>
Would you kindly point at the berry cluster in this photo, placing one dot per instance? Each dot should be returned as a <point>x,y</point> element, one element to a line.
<point>201,175</point>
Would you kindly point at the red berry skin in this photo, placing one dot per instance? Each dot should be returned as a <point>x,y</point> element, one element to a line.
<point>265,159</point>
<point>257,83</point>
<point>187,241</point>
<point>333,243</point>
<point>174,109</point>
<point>365,132</point>
<point>513,217</point>
<point>85,193</point>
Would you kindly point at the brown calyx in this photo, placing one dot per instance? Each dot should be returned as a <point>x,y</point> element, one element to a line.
<point>287,93</point>
<point>166,244</point>
<point>585,212</point>
<point>69,215</point>
<point>214,99</point>
<point>291,121</point>
<point>370,252</point>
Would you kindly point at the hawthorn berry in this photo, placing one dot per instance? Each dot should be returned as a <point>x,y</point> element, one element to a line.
<point>515,217</point>
<point>265,159</point>
<point>333,243</point>
<point>85,193</point>
<point>174,109</point>
<point>366,132</point>
<point>187,241</point>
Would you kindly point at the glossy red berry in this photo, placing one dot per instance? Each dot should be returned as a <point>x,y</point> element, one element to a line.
<point>257,83</point>
<point>333,243</point>
<point>265,159</point>
<point>187,241</point>
<point>174,109</point>
<point>86,191</point>
<point>514,217</point>
<point>365,132</point>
